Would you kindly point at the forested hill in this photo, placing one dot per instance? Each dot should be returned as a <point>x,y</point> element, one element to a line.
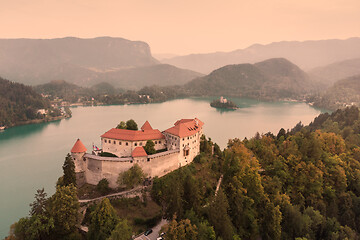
<point>298,184</point>
<point>339,70</point>
<point>345,92</point>
<point>19,103</point>
<point>272,79</point>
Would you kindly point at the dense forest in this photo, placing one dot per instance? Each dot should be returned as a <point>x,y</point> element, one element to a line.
<point>302,183</point>
<point>20,103</point>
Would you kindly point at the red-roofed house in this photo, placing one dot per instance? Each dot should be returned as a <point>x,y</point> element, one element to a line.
<point>185,135</point>
<point>139,152</point>
<point>122,142</point>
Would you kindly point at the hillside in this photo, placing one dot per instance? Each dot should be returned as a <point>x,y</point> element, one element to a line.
<point>269,80</point>
<point>20,103</point>
<point>339,70</point>
<point>307,55</point>
<point>343,93</point>
<point>136,78</point>
<point>86,62</point>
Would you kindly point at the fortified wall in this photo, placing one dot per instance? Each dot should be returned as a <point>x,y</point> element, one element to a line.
<point>179,144</point>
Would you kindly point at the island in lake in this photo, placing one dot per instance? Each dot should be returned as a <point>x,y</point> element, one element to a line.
<point>223,103</point>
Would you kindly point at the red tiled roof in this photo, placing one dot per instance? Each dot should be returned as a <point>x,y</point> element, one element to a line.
<point>139,152</point>
<point>146,126</point>
<point>185,127</point>
<point>78,147</point>
<point>132,135</point>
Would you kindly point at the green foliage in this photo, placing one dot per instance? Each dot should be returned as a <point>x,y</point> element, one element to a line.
<point>131,125</point>
<point>107,154</point>
<point>103,221</point>
<point>103,186</point>
<point>132,177</point>
<point>63,208</point>
<point>19,103</point>
<point>182,230</point>
<point>122,231</point>
<point>39,205</point>
<point>150,147</point>
<point>36,227</point>
<point>69,171</point>
<point>121,125</point>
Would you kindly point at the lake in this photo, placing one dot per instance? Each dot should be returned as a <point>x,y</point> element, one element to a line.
<point>31,156</point>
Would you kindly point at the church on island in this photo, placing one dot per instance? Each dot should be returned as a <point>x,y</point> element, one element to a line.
<point>175,147</point>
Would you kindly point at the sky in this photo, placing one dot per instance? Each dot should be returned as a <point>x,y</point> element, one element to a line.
<point>183,26</point>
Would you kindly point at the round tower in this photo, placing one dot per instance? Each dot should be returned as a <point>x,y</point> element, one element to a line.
<point>77,152</point>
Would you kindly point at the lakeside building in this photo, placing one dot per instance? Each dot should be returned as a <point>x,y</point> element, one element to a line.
<point>176,146</point>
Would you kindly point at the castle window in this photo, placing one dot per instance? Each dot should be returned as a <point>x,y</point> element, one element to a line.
<point>183,139</point>
<point>127,143</point>
<point>188,138</point>
<point>159,142</point>
<point>114,142</point>
<point>135,144</point>
<point>140,144</point>
<point>119,143</point>
<point>105,141</point>
<point>155,142</point>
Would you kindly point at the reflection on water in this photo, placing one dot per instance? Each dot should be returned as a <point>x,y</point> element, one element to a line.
<point>31,156</point>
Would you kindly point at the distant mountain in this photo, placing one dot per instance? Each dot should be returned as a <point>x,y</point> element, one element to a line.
<point>86,62</point>
<point>136,78</point>
<point>307,55</point>
<point>35,61</point>
<point>343,93</point>
<point>162,56</point>
<point>272,79</point>
<point>19,103</point>
<point>330,73</point>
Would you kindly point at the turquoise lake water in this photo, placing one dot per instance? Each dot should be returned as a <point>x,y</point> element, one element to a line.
<point>31,156</point>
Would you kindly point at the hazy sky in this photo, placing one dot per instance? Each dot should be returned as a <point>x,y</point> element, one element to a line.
<point>183,26</point>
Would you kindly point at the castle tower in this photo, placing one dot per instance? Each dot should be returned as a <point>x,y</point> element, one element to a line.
<point>77,152</point>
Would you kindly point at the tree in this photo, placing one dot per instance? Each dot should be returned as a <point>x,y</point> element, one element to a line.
<point>63,208</point>
<point>150,147</point>
<point>69,171</point>
<point>121,125</point>
<point>36,227</point>
<point>219,218</point>
<point>182,230</point>
<point>38,206</point>
<point>132,177</point>
<point>103,186</point>
<point>122,231</point>
<point>103,221</point>
<point>131,125</point>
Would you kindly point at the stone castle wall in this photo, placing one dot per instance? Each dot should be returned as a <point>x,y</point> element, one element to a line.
<point>97,168</point>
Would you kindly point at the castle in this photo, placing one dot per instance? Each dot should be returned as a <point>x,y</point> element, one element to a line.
<point>176,147</point>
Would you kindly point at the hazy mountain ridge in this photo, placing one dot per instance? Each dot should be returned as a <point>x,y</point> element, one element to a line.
<point>343,93</point>
<point>272,79</point>
<point>124,63</point>
<point>339,70</point>
<point>307,55</point>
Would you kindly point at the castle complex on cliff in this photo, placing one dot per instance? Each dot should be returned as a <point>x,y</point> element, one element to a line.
<point>177,146</point>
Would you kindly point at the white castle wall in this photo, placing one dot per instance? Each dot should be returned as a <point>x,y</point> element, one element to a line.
<point>98,167</point>
<point>124,148</point>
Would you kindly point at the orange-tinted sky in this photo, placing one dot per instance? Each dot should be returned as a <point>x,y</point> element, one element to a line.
<point>183,26</point>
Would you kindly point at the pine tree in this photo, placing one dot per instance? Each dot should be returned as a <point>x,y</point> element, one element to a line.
<point>69,171</point>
